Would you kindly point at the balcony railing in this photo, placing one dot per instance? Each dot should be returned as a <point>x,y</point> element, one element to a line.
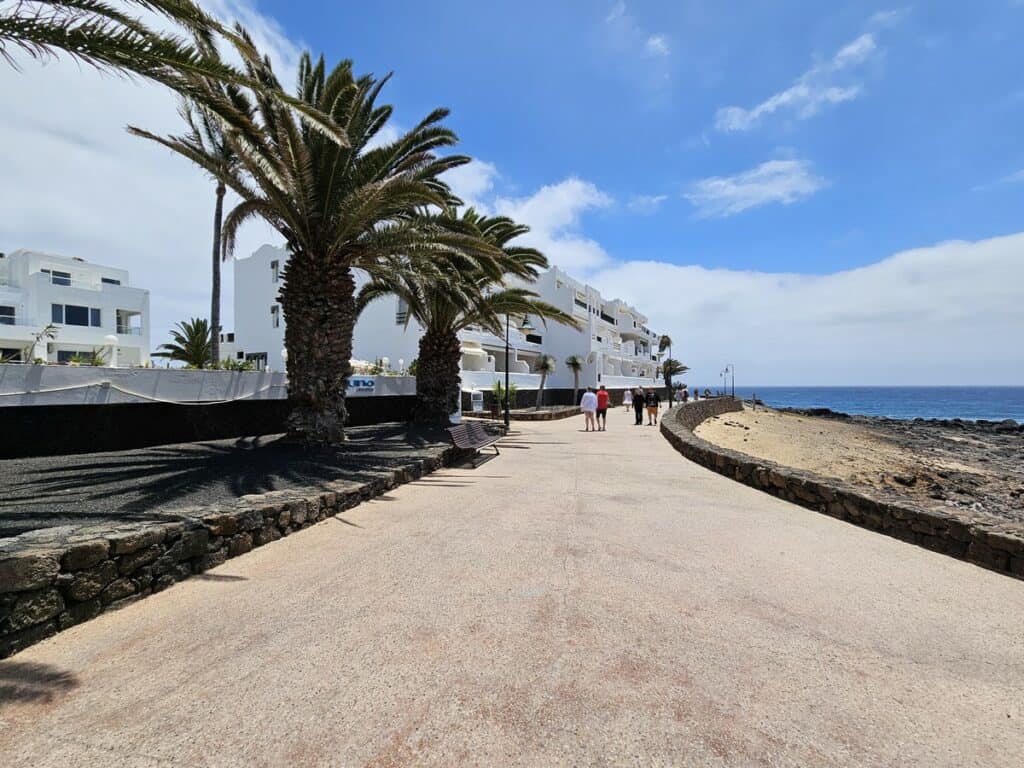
<point>127,330</point>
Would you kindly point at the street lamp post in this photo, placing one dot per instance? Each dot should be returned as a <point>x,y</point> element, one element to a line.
<point>525,327</point>
<point>729,369</point>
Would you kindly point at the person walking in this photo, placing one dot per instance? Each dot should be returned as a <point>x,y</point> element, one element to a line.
<point>589,405</point>
<point>653,402</point>
<point>638,405</point>
<point>627,399</point>
<point>603,398</point>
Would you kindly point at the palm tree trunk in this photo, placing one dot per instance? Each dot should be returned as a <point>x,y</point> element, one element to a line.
<point>540,390</point>
<point>437,376</point>
<point>318,299</point>
<point>218,220</point>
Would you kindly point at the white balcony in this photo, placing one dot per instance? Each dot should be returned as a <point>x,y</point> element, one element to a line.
<point>485,380</point>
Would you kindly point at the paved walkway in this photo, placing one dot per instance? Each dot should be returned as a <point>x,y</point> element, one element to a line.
<point>584,599</point>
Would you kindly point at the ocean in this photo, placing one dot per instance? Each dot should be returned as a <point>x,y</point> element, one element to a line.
<point>973,403</point>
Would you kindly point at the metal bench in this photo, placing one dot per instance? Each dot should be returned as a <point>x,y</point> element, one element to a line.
<point>472,436</point>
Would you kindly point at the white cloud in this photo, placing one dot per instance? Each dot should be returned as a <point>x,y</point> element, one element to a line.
<point>554,214</point>
<point>890,17</point>
<point>775,181</point>
<point>472,182</point>
<point>947,314</point>
<point>657,45</point>
<point>79,185</point>
<point>825,83</point>
<point>646,204</point>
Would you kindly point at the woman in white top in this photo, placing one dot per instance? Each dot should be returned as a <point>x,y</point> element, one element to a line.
<point>627,399</point>
<point>589,405</point>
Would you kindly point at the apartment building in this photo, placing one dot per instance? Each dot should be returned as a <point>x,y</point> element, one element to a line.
<point>91,307</point>
<point>612,338</point>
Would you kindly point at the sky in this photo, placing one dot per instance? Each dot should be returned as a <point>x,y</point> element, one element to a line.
<point>816,193</point>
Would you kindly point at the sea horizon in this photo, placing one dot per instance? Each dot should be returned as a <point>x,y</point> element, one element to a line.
<point>973,402</point>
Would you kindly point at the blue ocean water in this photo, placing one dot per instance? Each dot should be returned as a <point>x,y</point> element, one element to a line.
<point>991,403</point>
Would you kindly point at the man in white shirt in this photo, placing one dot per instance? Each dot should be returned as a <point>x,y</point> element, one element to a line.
<point>589,405</point>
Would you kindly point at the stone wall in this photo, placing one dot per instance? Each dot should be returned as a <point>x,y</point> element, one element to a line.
<point>981,539</point>
<point>58,577</point>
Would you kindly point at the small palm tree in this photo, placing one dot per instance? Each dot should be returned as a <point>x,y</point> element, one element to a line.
<point>545,364</point>
<point>575,364</point>
<point>671,367</point>
<point>190,345</point>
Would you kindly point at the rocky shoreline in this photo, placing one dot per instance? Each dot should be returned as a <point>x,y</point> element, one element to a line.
<point>976,466</point>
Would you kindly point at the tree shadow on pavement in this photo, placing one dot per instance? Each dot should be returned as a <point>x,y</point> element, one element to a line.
<point>26,681</point>
<point>148,484</point>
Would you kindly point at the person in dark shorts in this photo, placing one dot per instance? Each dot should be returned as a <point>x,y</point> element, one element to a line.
<point>653,402</point>
<point>602,408</point>
<point>638,405</point>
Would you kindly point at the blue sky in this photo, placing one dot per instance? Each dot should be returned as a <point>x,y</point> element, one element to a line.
<point>625,96</point>
<point>818,192</point>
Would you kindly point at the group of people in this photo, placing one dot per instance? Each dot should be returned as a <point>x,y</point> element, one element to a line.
<point>594,405</point>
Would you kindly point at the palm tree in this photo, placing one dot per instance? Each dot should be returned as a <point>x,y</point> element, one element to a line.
<point>106,36</point>
<point>206,137</point>
<point>575,364</point>
<point>545,365</point>
<point>671,367</point>
<point>190,345</point>
<point>665,342</point>
<point>453,292</point>
<point>339,208</point>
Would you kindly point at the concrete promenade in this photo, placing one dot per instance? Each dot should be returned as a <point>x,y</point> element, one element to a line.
<point>583,599</point>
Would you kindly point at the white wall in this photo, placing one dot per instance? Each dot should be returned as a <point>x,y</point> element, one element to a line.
<point>32,294</point>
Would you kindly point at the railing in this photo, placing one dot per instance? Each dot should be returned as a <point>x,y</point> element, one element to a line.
<point>127,330</point>
<point>609,319</point>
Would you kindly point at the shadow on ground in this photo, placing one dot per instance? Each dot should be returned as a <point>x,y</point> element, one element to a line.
<point>149,484</point>
<point>25,681</point>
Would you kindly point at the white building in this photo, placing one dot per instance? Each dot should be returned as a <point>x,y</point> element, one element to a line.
<point>613,338</point>
<point>86,303</point>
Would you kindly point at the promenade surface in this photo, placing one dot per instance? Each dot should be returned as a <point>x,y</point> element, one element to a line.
<point>583,599</point>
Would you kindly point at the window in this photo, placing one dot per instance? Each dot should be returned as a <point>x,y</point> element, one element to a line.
<point>275,272</point>
<point>6,315</point>
<point>109,281</point>
<point>66,356</point>
<point>240,355</point>
<point>275,316</point>
<point>402,312</point>
<point>70,314</point>
<point>57,277</point>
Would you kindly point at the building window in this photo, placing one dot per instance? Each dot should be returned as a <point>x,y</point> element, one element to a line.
<point>11,355</point>
<point>275,272</point>
<point>109,281</point>
<point>6,315</point>
<point>71,314</point>
<point>240,355</point>
<point>402,312</point>
<point>275,316</point>
<point>66,356</point>
<point>258,360</point>
<point>57,277</point>
<point>580,303</point>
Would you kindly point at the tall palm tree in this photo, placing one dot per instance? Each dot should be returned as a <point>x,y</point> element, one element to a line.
<point>205,136</point>
<point>575,364</point>
<point>190,343</point>
<point>451,294</point>
<point>665,342</point>
<point>545,365</point>
<point>671,367</point>
<point>339,207</point>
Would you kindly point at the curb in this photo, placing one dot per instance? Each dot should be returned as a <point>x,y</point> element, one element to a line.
<point>984,540</point>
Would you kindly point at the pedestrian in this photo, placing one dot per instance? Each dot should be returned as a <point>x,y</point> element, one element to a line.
<point>627,399</point>
<point>686,395</point>
<point>638,405</point>
<point>589,405</point>
<point>653,401</point>
<point>602,408</point>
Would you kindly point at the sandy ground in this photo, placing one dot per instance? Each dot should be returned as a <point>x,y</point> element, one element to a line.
<point>579,600</point>
<point>929,464</point>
